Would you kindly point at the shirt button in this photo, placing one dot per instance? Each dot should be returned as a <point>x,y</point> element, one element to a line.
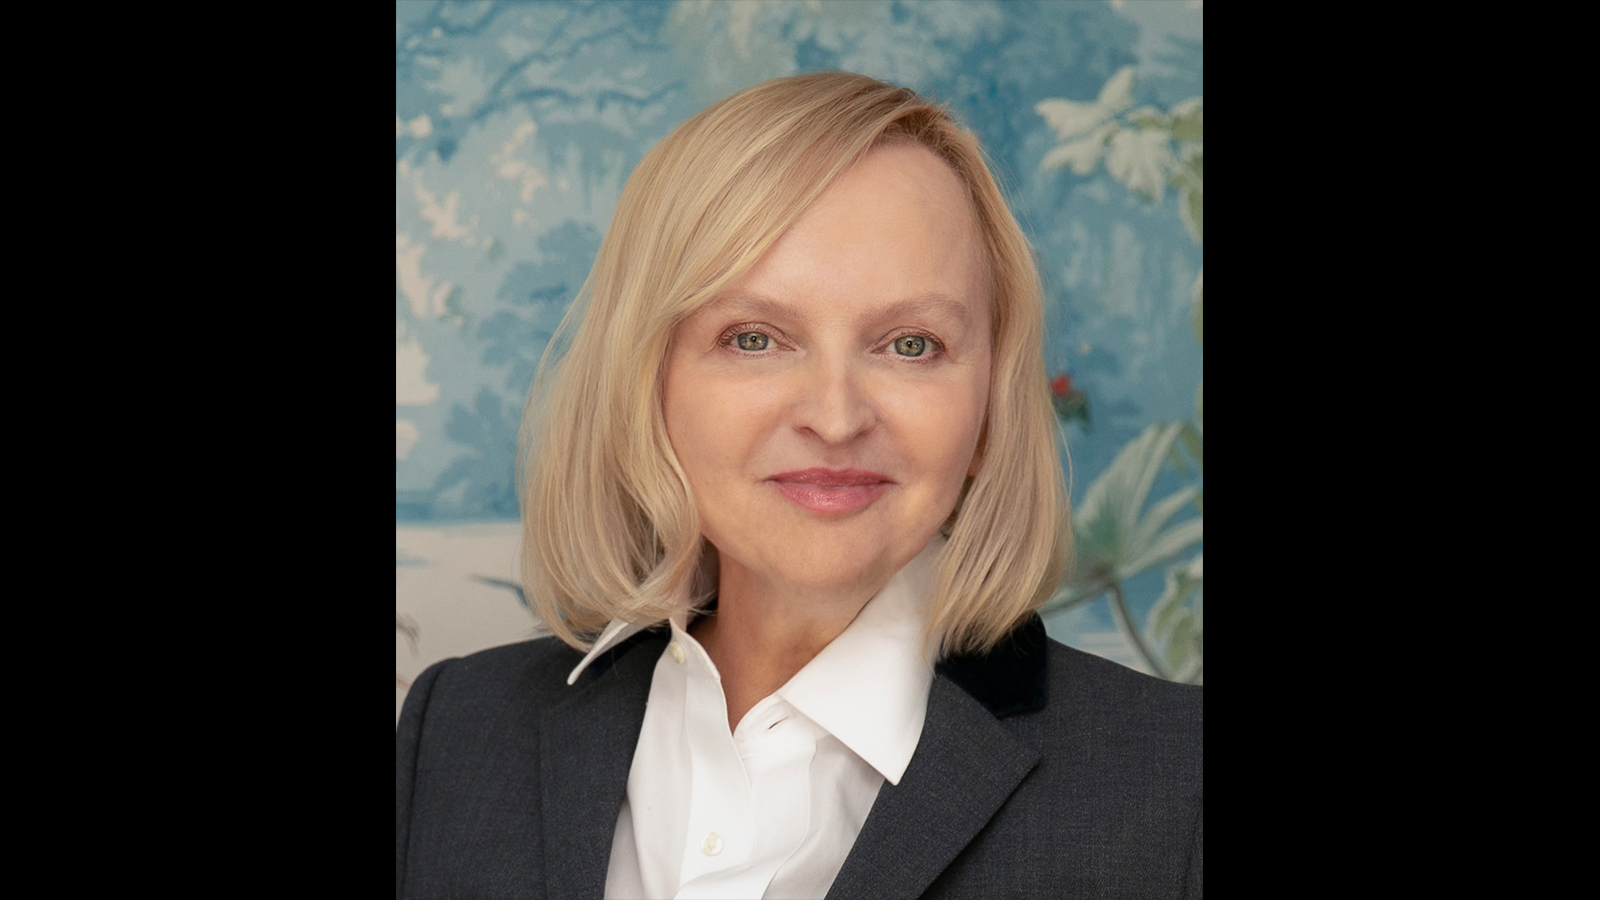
<point>712,845</point>
<point>676,651</point>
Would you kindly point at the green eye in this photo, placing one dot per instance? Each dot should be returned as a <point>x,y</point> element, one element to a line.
<point>911,345</point>
<point>753,341</point>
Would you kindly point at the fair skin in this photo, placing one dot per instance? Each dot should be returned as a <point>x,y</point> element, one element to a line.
<point>827,409</point>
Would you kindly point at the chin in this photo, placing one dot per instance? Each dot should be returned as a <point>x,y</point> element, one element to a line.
<point>840,564</point>
<point>785,545</point>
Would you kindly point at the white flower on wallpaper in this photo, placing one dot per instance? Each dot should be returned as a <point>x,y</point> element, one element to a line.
<point>509,166</point>
<point>1140,159</point>
<point>411,384</point>
<point>442,215</point>
<point>1084,128</point>
<point>1136,145</point>
<point>420,127</point>
<point>406,436</point>
<point>426,294</point>
<point>411,387</point>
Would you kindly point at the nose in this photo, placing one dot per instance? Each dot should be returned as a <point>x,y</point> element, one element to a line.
<point>834,402</point>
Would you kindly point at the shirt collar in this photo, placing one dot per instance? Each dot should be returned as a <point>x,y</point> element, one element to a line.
<point>869,687</point>
<point>614,634</point>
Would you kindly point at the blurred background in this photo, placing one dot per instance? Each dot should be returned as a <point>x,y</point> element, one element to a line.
<point>517,123</point>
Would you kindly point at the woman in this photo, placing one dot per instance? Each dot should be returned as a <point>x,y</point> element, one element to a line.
<point>791,497</point>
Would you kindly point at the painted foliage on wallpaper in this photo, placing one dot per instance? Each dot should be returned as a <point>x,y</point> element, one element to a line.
<point>516,125</point>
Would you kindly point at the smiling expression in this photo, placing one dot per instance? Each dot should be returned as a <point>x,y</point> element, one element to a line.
<point>828,406</point>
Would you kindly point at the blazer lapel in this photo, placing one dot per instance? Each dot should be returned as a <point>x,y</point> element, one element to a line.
<point>586,749</point>
<point>966,766</point>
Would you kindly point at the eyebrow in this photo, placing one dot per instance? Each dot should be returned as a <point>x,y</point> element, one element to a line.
<point>932,302</point>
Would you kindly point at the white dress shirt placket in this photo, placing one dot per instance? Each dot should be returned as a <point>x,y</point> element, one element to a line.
<point>750,796</point>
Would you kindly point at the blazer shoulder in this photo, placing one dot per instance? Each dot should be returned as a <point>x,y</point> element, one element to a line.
<point>527,672</point>
<point>523,677</point>
<point>1076,671</point>
<point>470,749</point>
<point>1120,780</point>
<point>1098,689</point>
<point>539,653</point>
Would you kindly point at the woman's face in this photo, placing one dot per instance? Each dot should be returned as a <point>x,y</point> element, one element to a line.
<point>828,406</point>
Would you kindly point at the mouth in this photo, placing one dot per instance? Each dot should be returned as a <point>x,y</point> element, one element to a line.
<point>831,491</point>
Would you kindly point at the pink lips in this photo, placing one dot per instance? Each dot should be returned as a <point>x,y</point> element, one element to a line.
<point>832,491</point>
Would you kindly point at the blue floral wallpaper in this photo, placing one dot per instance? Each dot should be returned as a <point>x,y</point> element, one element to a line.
<point>516,124</point>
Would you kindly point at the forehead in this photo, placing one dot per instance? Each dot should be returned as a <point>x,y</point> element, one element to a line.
<point>897,228</point>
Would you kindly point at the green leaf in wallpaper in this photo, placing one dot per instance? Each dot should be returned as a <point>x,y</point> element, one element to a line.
<point>1174,626</point>
<point>1188,123</point>
<point>1192,462</point>
<point>1189,181</point>
<point>1117,537</point>
<point>1196,315</point>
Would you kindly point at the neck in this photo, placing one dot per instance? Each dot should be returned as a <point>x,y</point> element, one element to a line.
<point>762,633</point>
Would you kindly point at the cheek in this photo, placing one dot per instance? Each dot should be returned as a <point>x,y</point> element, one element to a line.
<point>681,412</point>
<point>967,454</point>
<point>942,427</point>
<point>708,423</point>
<point>973,423</point>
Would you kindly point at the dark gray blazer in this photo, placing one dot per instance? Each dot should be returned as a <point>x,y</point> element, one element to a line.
<point>1042,772</point>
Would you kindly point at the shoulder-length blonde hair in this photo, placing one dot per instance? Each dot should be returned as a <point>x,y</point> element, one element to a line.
<point>609,527</point>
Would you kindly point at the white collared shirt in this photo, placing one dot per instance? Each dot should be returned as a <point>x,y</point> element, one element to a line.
<point>772,809</point>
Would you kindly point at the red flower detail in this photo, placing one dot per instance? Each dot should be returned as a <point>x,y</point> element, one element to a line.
<point>1061,385</point>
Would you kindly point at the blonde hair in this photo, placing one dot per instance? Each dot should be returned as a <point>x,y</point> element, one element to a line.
<point>610,529</point>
